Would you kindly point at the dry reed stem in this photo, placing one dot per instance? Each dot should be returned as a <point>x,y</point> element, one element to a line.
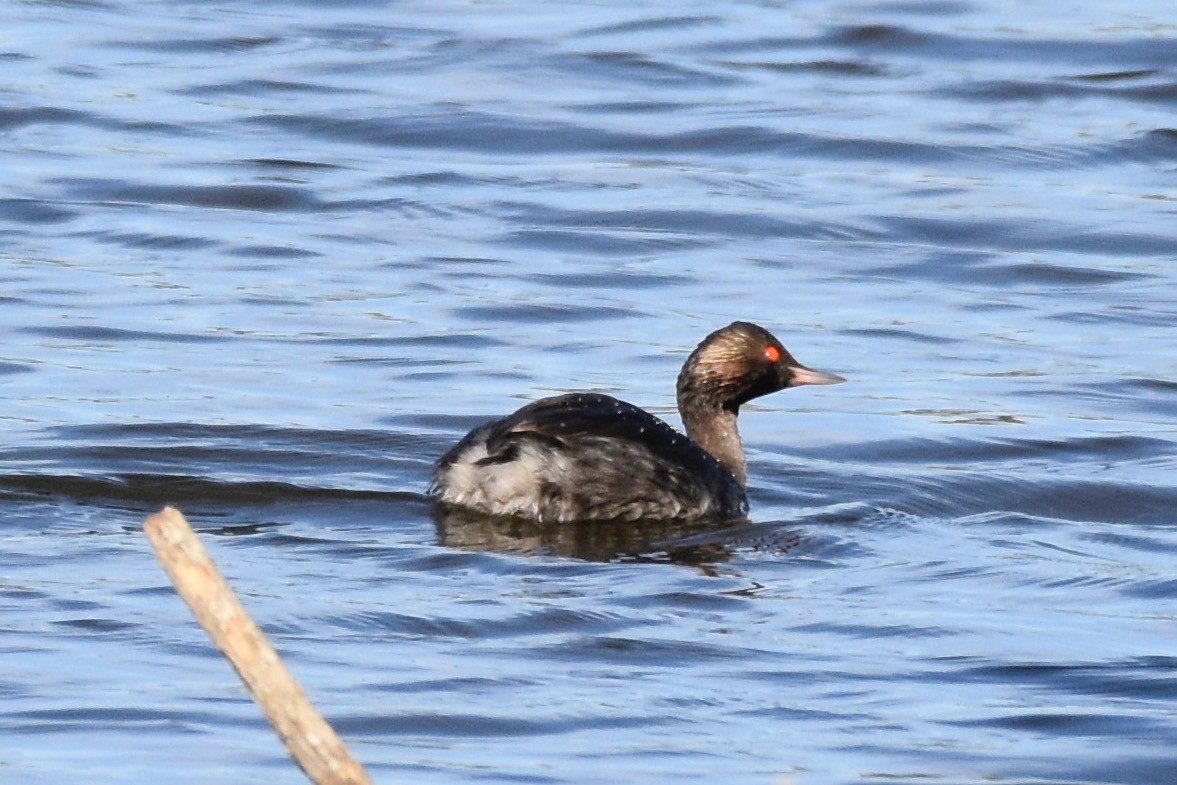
<point>312,743</point>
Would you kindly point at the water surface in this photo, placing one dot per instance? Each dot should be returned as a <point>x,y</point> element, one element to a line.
<point>267,262</point>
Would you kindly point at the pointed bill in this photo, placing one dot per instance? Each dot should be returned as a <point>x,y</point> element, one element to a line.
<point>799,375</point>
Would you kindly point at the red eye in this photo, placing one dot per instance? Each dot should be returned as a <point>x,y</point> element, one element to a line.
<point>772,354</point>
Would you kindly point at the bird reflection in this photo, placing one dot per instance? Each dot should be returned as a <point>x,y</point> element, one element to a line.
<point>690,543</point>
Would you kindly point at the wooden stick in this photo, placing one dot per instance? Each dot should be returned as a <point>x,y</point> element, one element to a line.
<point>312,743</point>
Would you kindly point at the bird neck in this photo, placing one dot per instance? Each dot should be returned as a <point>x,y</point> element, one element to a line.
<point>714,429</point>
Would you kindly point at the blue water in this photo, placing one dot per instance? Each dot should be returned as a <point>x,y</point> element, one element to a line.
<point>267,261</point>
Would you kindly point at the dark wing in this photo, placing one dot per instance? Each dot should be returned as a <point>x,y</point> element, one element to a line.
<point>582,456</point>
<point>564,420</point>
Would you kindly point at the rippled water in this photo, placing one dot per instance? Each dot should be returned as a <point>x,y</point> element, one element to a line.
<point>267,261</point>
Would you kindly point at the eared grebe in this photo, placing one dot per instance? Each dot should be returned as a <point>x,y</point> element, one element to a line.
<point>587,456</point>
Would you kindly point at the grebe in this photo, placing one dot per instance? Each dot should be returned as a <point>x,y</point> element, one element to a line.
<point>587,456</point>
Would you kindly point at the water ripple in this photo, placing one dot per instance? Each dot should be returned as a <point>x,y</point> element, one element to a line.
<point>233,197</point>
<point>269,264</point>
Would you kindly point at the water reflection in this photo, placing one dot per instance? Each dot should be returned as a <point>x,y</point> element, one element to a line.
<point>692,543</point>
